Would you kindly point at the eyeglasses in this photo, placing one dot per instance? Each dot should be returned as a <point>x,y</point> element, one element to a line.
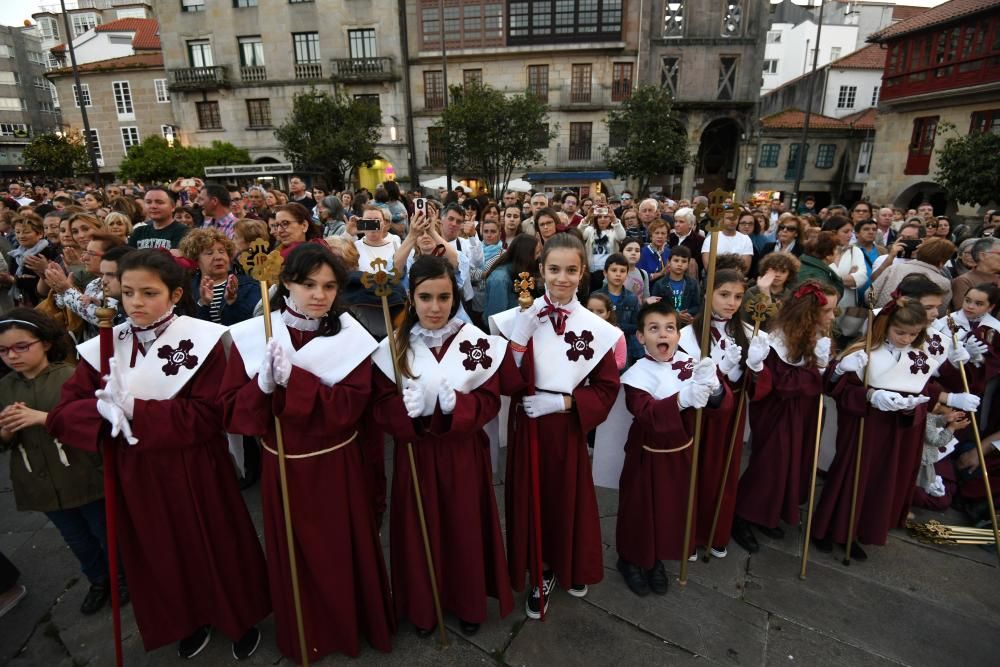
<point>284,225</point>
<point>787,228</point>
<point>92,253</point>
<point>20,348</point>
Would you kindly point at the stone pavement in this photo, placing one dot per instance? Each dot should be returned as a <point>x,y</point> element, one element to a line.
<point>909,604</point>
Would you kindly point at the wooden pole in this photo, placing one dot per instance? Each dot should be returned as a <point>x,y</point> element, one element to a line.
<point>861,442</point>
<point>812,488</point>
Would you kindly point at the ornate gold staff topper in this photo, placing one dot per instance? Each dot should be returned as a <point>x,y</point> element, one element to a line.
<point>760,308</point>
<point>261,265</point>
<point>523,288</point>
<point>379,280</point>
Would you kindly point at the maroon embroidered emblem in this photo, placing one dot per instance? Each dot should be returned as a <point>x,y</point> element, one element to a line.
<point>934,345</point>
<point>919,360</point>
<point>177,357</point>
<point>579,346</point>
<point>475,355</point>
<point>685,369</point>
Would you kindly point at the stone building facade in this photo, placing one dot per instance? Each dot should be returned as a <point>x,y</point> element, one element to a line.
<point>26,105</point>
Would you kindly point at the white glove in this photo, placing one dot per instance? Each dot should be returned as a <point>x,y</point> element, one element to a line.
<point>693,395</point>
<point>281,365</point>
<point>114,415</point>
<point>823,352</point>
<point>265,374</point>
<point>730,358</point>
<point>413,398</point>
<point>525,323</point>
<point>759,348</point>
<point>116,390</point>
<point>966,402</point>
<point>855,362</point>
<point>911,402</point>
<point>446,397</point>
<point>706,374</point>
<point>543,403</point>
<point>976,348</point>
<point>958,354</point>
<point>887,401</point>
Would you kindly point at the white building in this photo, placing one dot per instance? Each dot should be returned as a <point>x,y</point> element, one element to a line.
<point>789,51</point>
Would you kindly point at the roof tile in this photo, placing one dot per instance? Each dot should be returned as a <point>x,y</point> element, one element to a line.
<point>794,118</point>
<point>868,57</point>
<point>934,16</point>
<point>147,31</point>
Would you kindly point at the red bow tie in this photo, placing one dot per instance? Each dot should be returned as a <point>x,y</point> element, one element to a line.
<point>556,314</point>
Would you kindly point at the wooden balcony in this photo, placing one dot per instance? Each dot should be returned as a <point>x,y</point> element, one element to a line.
<point>199,78</point>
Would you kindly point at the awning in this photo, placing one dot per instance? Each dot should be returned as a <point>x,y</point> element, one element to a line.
<point>569,175</point>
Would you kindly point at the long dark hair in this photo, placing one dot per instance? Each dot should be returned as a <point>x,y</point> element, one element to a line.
<point>519,255</point>
<point>163,264</point>
<point>426,267</point>
<point>303,262</point>
<point>42,327</point>
<point>734,327</point>
<point>302,215</point>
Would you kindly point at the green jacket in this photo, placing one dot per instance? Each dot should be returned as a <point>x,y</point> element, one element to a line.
<point>815,269</point>
<point>46,475</point>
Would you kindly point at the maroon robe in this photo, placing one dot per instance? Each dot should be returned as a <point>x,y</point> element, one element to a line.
<point>782,444</point>
<point>652,495</point>
<point>190,551</point>
<point>571,528</point>
<point>718,432</point>
<point>342,577</point>
<point>452,455</point>
<point>890,459</point>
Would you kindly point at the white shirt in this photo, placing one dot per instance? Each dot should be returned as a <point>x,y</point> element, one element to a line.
<point>883,258</point>
<point>368,253</point>
<point>738,244</point>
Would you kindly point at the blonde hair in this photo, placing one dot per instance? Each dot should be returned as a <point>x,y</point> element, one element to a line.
<point>345,250</point>
<point>119,217</point>
<point>198,241</point>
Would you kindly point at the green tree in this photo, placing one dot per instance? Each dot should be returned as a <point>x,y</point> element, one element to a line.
<point>654,139</point>
<point>330,133</point>
<point>490,134</point>
<point>967,166</point>
<point>57,156</point>
<point>156,161</point>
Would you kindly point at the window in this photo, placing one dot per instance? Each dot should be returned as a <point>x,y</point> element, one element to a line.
<point>36,57</point>
<point>369,98</point>
<point>5,51</point>
<point>47,107</point>
<point>537,21</point>
<point>769,155</point>
<point>673,18</point>
<point>10,104</point>
<point>259,113</point>
<point>579,140</point>
<point>14,130</point>
<point>9,78</point>
<point>40,83</point>
<point>727,77</point>
<point>362,43</point>
<point>192,5</point>
<point>538,81</point>
<point>825,155</point>
<point>875,91</point>
<point>732,18</point>
<point>540,138</point>
<point>580,83</point>
<point>52,62</point>
<point>55,95</point>
<point>162,91</point>
<point>774,37</point>
<point>299,2</point>
<point>82,94</point>
<point>834,53</point>
<point>131,13</point>
<point>846,96</point>
<point>167,132</point>
<point>81,23</point>
<point>617,134</point>
<point>670,74</point>
<point>621,81</point>
<point>770,66</point>
<point>471,76</point>
<point>95,143</point>
<point>239,4</point>
<point>921,145</point>
<point>130,137</point>
<point>477,23</point>
<point>986,121</point>
<point>49,27</point>
<point>200,53</point>
<point>433,89</point>
<point>865,157</point>
<point>251,51</point>
<point>791,169</point>
<point>306,47</point>
<point>208,115</point>
<point>435,146</point>
<point>123,100</point>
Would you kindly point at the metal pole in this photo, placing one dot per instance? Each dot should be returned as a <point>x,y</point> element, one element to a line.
<point>404,45</point>
<point>801,161</point>
<point>444,75</point>
<point>79,97</point>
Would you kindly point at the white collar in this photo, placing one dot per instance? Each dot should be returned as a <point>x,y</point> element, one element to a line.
<point>293,319</point>
<point>437,337</point>
<point>570,306</point>
<point>145,336</point>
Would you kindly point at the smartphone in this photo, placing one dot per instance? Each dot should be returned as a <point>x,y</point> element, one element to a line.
<point>368,225</point>
<point>603,210</point>
<point>187,183</point>
<point>420,204</point>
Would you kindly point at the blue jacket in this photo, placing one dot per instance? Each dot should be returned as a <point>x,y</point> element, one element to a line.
<point>690,299</point>
<point>247,297</point>
<point>627,313</point>
<point>649,262</point>
<point>500,295</point>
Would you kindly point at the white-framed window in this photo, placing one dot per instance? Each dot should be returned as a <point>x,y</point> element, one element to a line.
<point>200,53</point>
<point>846,97</point>
<point>36,57</point>
<point>49,27</point>
<point>95,141</point>
<point>834,53</point>
<point>875,92</point>
<point>130,137</point>
<point>131,13</point>
<point>5,51</point>
<point>40,82</point>
<point>123,100</point>
<point>55,95</point>
<point>162,92</point>
<point>774,37</point>
<point>9,78</point>
<point>167,132</point>
<point>82,94</point>
<point>771,66</point>
<point>52,62</point>
<point>47,107</point>
<point>83,22</point>
<point>14,130</point>
<point>192,5</point>
<point>865,156</point>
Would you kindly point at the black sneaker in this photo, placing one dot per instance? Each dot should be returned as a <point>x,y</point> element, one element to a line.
<point>775,533</point>
<point>824,544</point>
<point>578,590</point>
<point>635,578</point>
<point>245,646</point>
<point>743,535</point>
<point>533,603</point>
<point>857,553</point>
<point>468,629</point>
<point>123,595</point>
<point>97,596</point>
<point>189,647</point>
<point>424,633</point>
<point>658,579</point>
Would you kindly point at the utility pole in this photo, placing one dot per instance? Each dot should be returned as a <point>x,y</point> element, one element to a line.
<point>95,172</point>
<point>444,76</point>
<point>800,165</point>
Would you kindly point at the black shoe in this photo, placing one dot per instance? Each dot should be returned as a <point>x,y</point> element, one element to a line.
<point>743,534</point>
<point>533,603</point>
<point>424,633</point>
<point>578,590</point>
<point>123,595</point>
<point>774,533</point>
<point>857,553</point>
<point>658,579</point>
<point>824,544</point>
<point>468,629</point>
<point>191,646</point>
<point>97,596</point>
<point>635,578</point>
<point>245,646</point>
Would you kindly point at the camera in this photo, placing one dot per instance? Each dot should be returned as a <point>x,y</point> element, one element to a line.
<point>909,247</point>
<point>368,225</point>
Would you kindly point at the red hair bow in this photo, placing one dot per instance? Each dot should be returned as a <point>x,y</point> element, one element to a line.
<point>811,288</point>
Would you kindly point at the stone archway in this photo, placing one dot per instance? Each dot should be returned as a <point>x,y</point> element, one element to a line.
<point>913,195</point>
<point>718,155</point>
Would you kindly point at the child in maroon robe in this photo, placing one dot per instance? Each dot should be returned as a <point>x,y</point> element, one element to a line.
<point>783,425</point>
<point>316,376</point>
<point>451,391</point>
<point>566,381</point>
<point>189,548</point>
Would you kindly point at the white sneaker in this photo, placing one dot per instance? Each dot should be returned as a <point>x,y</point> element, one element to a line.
<point>720,552</point>
<point>578,591</point>
<point>693,558</point>
<point>533,603</point>
<point>10,598</point>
